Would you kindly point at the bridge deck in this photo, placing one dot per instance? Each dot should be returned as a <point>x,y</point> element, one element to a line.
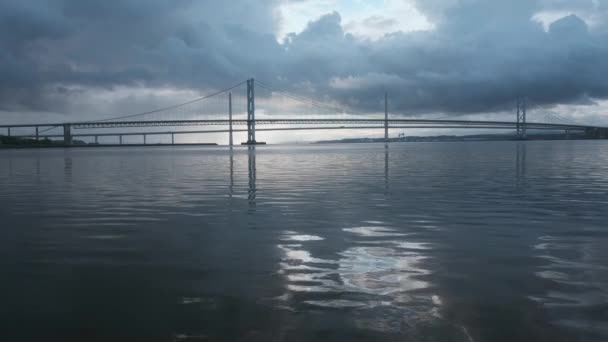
<point>114,134</point>
<point>426,123</point>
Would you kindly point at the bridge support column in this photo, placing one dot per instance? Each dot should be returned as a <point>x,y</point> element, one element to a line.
<point>521,118</point>
<point>37,134</point>
<point>386,117</point>
<point>67,134</point>
<point>250,112</point>
<point>120,139</point>
<point>8,131</point>
<point>230,142</point>
<point>172,139</point>
<point>145,136</point>
<point>96,139</point>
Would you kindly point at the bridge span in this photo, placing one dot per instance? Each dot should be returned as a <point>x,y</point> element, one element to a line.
<point>99,128</point>
<point>71,130</point>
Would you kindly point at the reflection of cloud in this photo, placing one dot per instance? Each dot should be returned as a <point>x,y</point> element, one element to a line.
<point>382,269</point>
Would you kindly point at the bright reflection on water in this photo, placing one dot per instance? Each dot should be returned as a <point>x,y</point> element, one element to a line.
<point>384,268</point>
<point>493,241</point>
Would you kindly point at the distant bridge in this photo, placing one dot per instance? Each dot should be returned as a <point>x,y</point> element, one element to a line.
<point>158,118</point>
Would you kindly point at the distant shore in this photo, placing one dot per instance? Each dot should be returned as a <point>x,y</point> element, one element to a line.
<point>98,145</point>
<point>21,143</point>
<point>457,138</point>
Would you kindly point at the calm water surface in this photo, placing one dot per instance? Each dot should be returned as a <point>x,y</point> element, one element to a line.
<point>487,241</point>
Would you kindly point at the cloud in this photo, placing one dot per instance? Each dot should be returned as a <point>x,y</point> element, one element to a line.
<point>478,57</point>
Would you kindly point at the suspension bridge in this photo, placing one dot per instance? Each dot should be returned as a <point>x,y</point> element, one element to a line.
<point>234,109</point>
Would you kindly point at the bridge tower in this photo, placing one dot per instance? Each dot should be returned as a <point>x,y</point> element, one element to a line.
<point>230,119</point>
<point>521,117</point>
<point>250,112</point>
<point>386,117</point>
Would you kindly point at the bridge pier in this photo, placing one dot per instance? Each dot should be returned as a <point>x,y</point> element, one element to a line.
<point>96,139</point>
<point>120,139</point>
<point>8,131</point>
<point>145,136</point>
<point>230,142</point>
<point>67,134</point>
<point>172,138</point>
<point>386,117</point>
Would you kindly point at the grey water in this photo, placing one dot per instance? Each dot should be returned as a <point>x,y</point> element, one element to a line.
<point>475,241</point>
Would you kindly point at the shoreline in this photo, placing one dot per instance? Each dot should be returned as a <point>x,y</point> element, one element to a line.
<point>9,147</point>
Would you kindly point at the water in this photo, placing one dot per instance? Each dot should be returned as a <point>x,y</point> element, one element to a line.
<point>487,241</point>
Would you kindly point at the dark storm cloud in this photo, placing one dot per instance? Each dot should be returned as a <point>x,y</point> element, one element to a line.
<point>184,43</point>
<point>481,55</point>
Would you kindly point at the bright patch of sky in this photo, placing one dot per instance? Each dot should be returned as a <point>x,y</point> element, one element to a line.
<point>364,18</point>
<point>546,18</point>
<point>593,12</point>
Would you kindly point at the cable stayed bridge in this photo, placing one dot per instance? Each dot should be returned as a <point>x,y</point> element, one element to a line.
<point>238,109</point>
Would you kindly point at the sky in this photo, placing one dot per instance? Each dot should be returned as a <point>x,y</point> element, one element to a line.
<point>74,60</point>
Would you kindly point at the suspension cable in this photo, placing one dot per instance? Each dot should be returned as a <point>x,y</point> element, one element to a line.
<point>170,107</point>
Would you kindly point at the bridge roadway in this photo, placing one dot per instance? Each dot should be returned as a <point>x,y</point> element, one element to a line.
<point>426,123</point>
<point>243,130</point>
<point>334,121</point>
<point>344,124</point>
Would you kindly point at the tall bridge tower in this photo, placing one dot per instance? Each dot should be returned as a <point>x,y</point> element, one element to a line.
<point>251,112</point>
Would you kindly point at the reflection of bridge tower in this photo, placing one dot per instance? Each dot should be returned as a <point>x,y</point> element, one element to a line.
<point>521,117</point>
<point>520,161</point>
<point>252,176</point>
<point>386,169</point>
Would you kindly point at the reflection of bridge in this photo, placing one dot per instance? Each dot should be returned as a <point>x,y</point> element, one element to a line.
<point>164,118</point>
